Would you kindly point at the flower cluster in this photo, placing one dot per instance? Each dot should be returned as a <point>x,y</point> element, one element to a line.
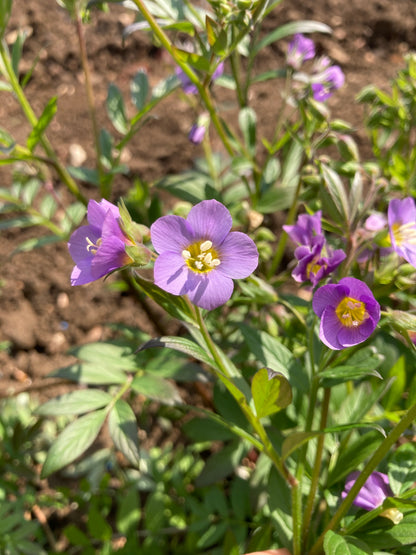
<point>349,313</point>
<point>315,258</point>
<point>198,256</point>
<point>325,78</point>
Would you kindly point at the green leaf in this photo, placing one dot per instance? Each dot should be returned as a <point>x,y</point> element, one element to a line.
<point>36,243</point>
<point>387,535</point>
<point>156,388</point>
<point>116,109</point>
<point>91,374</point>
<point>139,89</point>
<point>247,120</point>
<point>183,345</point>
<point>341,374</point>
<point>334,544</point>
<point>398,371</point>
<point>402,469</point>
<point>85,174</point>
<point>98,527</point>
<point>73,441</point>
<point>128,512</point>
<point>350,459</point>
<point>221,464</point>
<point>271,392</point>
<point>107,355</point>
<point>174,305</point>
<point>42,123</point>
<point>338,201</point>
<point>75,402</point>
<point>124,432</point>
<point>295,440</point>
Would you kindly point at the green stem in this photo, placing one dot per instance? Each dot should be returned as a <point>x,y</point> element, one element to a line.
<point>372,464</point>
<point>281,245</point>
<point>203,91</point>
<point>33,120</point>
<point>91,102</point>
<point>316,469</point>
<point>226,378</point>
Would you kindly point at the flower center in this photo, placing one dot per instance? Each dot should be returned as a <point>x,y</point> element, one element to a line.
<point>314,266</point>
<point>93,247</point>
<point>404,233</point>
<point>201,257</point>
<point>351,313</point>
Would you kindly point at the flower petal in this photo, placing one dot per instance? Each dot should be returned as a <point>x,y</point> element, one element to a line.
<point>81,276</point>
<point>171,234</point>
<point>211,220</point>
<point>330,328</point>
<point>349,337</point>
<point>212,290</point>
<point>171,273</point>
<point>110,256</point>
<point>327,295</point>
<point>239,256</point>
<point>79,241</point>
<point>97,211</point>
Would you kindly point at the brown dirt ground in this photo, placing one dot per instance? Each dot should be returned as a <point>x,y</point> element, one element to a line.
<point>40,313</point>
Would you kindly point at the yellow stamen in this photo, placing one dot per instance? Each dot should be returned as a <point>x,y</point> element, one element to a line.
<point>201,257</point>
<point>351,312</point>
<point>404,233</point>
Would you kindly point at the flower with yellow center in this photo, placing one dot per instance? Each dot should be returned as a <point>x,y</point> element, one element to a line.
<point>200,256</point>
<point>402,225</point>
<point>349,313</point>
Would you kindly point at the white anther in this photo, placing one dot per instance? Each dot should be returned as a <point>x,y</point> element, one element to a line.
<point>215,262</point>
<point>186,254</point>
<point>208,258</point>
<point>205,246</point>
<point>199,265</point>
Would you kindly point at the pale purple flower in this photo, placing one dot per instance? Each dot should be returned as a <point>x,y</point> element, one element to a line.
<point>306,228</point>
<point>299,50</point>
<point>375,222</point>
<point>99,247</point>
<point>199,256</point>
<point>349,313</point>
<point>189,87</point>
<point>373,493</point>
<point>402,224</point>
<point>316,261</point>
<point>197,134</point>
<point>326,82</point>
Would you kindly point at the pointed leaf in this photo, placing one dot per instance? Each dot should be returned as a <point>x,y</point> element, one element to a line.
<point>271,392</point>
<point>76,402</point>
<point>156,388</point>
<point>42,123</point>
<point>182,345</point>
<point>116,109</point>
<point>139,88</point>
<point>124,432</point>
<point>73,441</point>
<point>92,374</point>
<point>334,544</point>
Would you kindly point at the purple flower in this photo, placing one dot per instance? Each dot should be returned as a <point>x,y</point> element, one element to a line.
<point>306,228</point>
<point>199,256</point>
<point>98,248</point>
<point>197,134</point>
<point>326,82</point>
<point>373,493</point>
<point>316,261</point>
<point>402,223</point>
<point>300,49</point>
<point>189,87</point>
<point>349,313</point>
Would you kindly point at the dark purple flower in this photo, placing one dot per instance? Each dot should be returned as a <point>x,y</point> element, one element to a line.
<point>306,228</point>
<point>199,256</point>
<point>373,493</point>
<point>326,82</point>
<point>300,49</point>
<point>402,224</point>
<point>189,87</point>
<point>98,248</point>
<point>316,261</point>
<point>349,313</point>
